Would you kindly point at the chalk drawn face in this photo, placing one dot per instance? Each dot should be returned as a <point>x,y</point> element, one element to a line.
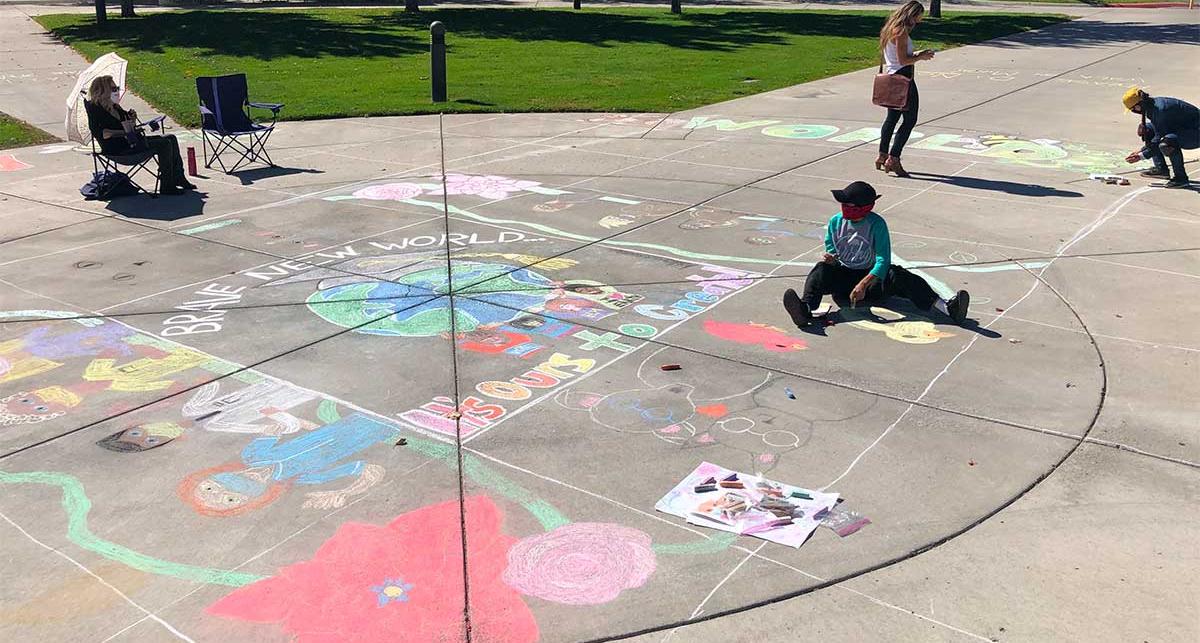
<point>142,437</point>
<point>213,495</point>
<point>29,408</point>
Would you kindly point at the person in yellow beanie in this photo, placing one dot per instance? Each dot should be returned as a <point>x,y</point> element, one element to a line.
<point>1168,127</point>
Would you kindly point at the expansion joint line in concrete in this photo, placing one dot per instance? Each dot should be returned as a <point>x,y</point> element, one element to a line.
<point>1033,84</point>
<point>458,452</point>
<point>958,532</point>
<point>236,371</point>
<point>1015,261</point>
<point>811,378</point>
<point>225,244</point>
<point>656,220</point>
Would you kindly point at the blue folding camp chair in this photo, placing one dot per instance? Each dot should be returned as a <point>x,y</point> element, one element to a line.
<point>225,116</point>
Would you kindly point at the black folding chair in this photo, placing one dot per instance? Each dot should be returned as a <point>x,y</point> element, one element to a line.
<point>138,160</point>
<point>225,116</point>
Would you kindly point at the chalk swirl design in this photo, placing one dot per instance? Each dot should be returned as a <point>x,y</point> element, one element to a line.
<point>390,192</point>
<point>583,563</point>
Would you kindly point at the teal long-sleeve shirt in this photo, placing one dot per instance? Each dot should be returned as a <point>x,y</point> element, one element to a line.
<point>861,245</point>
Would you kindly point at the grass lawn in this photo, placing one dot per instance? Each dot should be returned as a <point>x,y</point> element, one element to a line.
<point>357,62</point>
<point>18,133</point>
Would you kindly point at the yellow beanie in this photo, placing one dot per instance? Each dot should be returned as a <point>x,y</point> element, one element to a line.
<point>1132,97</point>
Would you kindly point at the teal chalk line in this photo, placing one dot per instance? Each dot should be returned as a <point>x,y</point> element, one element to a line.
<point>76,504</point>
<point>718,543</point>
<point>210,226</point>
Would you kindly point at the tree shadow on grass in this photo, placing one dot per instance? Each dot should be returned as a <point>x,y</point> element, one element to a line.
<point>708,31</point>
<point>260,35</point>
<point>268,35</point>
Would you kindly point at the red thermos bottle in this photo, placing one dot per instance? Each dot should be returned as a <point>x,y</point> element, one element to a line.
<point>191,161</point>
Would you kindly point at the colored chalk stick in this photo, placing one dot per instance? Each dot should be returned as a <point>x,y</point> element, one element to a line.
<point>670,367</point>
<point>710,481</point>
<point>801,494</point>
<point>732,484</point>
<point>705,488</point>
<point>731,478</point>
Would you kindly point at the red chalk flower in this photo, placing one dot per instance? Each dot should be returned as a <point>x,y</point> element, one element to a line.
<point>584,563</point>
<point>399,582</point>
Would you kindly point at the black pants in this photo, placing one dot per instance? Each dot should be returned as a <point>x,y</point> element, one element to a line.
<point>838,280</point>
<point>909,116</point>
<point>1170,146</point>
<point>170,164</point>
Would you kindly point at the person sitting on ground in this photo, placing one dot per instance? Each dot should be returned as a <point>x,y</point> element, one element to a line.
<point>1168,127</point>
<point>857,265</point>
<point>108,123</point>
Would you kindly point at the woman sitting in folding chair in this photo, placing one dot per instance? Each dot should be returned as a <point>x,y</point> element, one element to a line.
<point>108,121</point>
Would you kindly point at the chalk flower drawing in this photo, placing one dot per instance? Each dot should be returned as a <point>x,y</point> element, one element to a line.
<point>389,192</point>
<point>392,590</point>
<point>584,563</point>
<point>488,187</point>
<point>415,561</point>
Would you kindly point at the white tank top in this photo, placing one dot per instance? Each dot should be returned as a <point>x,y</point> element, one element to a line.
<point>891,58</point>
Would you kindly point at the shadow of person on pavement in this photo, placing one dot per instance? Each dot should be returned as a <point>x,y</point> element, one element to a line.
<point>248,177</point>
<point>994,185</point>
<point>167,207</point>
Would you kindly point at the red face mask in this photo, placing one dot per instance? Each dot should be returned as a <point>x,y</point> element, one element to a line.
<point>852,212</point>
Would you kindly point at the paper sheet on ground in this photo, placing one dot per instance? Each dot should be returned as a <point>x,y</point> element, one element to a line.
<point>703,508</point>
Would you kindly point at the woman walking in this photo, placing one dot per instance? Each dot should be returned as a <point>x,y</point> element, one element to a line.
<point>895,44</point>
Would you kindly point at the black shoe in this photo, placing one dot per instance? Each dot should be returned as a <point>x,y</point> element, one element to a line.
<point>957,307</point>
<point>1177,183</point>
<point>169,191</point>
<point>1156,173</point>
<point>187,185</point>
<point>797,309</point>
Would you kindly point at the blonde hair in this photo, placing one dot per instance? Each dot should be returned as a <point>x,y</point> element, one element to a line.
<point>100,91</point>
<point>901,21</point>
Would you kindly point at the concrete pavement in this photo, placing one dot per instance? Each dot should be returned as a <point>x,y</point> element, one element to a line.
<point>203,395</point>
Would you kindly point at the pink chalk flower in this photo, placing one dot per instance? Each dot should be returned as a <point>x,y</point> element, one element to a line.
<point>399,582</point>
<point>389,192</point>
<point>488,187</point>
<point>583,563</point>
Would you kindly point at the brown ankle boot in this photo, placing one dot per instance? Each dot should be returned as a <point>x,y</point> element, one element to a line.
<point>893,165</point>
<point>880,160</point>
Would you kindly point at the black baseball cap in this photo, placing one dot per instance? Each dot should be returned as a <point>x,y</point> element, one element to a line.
<point>857,193</point>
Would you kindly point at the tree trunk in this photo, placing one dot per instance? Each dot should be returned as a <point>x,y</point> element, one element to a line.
<point>577,3</point>
<point>676,6</point>
<point>935,8</point>
<point>101,15</point>
<point>127,9</point>
<point>412,5</point>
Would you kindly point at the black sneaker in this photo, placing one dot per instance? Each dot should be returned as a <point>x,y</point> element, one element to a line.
<point>1177,183</point>
<point>1156,173</point>
<point>957,307</point>
<point>799,311</point>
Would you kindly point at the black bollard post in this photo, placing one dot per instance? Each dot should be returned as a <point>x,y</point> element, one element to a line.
<point>676,6</point>
<point>935,8</point>
<point>577,3</point>
<point>437,61</point>
<point>101,13</point>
